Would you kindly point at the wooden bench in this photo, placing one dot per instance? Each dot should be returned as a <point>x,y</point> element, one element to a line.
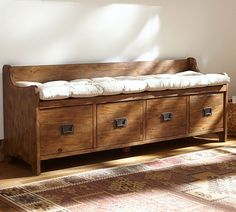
<point>37,130</point>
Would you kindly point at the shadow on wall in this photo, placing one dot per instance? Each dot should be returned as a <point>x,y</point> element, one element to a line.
<point>79,32</point>
<point>69,31</point>
<point>104,2</point>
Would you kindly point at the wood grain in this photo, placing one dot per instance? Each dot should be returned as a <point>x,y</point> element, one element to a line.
<point>51,121</point>
<point>108,135</point>
<point>224,134</point>
<point>133,143</point>
<point>46,73</point>
<point>198,122</point>
<point>33,127</point>
<point>157,127</point>
<point>20,122</point>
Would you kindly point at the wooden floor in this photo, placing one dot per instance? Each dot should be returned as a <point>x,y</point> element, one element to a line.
<point>19,173</point>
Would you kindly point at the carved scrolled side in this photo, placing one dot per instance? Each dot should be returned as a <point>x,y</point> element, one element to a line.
<point>192,63</point>
<point>20,121</point>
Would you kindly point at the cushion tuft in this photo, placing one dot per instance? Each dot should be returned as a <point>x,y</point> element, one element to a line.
<point>79,88</point>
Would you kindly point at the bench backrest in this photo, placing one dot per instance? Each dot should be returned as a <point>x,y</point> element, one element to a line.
<point>44,73</point>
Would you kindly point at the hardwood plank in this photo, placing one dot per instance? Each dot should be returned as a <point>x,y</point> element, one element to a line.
<point>157,127</point>
<point>130,144</point>
<point>66,129</point>
<point>46,73</point>
<point>224,134</point>
<point>201,122</point>
<point>94,126</point>
<point>20,121</point>
<point>188,114</point>
<point>108,134</point>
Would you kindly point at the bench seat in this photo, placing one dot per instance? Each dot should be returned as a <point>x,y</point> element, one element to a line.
<point>102,86</point>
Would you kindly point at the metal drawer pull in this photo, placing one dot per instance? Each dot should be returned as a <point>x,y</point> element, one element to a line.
<point>167,116</point>
<point>67,129</point>
<point>120,122</point>
<point>207,111</point>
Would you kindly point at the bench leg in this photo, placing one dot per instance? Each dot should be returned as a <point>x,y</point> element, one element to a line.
<point>36,168</point>
<point>222,136</point>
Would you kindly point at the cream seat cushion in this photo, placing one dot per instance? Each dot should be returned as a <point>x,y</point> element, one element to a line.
<point>84,88</point>
<point>54,90</point>
<point>109,85</point>
<point>79,88</point>
<point>131,84</point>
<point>50,90</point>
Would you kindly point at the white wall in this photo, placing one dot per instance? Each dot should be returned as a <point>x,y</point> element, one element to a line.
<point>73,31</point>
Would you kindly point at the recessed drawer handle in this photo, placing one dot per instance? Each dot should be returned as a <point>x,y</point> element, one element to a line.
<point>167,116</point>
<point>67,129</point>
<point>120,122</point>
<point>207,111</point>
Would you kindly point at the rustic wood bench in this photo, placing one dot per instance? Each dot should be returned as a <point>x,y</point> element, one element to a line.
<point>37,130</point>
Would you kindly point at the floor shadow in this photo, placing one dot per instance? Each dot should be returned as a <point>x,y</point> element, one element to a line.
<point>209,173</point>
<point>20,169</point>
<point>109,155</point>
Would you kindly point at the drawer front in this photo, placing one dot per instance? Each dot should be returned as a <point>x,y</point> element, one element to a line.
<point>166,117</point>
<point>65,129</point>
<point>119,123</point>
<point>206,112</point>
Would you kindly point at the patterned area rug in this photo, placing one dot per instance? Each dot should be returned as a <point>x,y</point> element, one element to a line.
<point>199,181</point>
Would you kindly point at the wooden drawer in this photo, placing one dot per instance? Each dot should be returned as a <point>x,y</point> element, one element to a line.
<point>166,117</point>
<point>119,123</point>
<point>56,126</point>
<point>206,112</point>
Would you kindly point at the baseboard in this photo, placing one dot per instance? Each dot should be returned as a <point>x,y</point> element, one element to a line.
<point>1,150</point>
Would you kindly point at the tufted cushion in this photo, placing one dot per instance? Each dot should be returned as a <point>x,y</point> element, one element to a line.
<point>84,89</point>
<point>132,84</point>
<point>54,90</point>
<point>124,84</point>
<point>109,85</point>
